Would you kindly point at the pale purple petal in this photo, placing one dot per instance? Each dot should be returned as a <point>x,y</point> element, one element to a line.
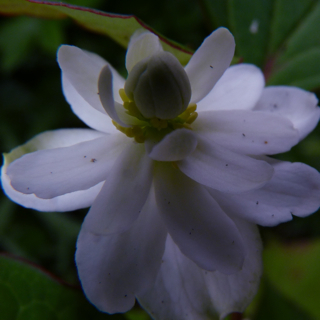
<point>220,168</point>
<point>209,63</point>
<point>53,172</point>
<point>293,190</point>
<point>240,87</point>
<point>174,146</point>
<point>47,140</point>
<point>124,193</point>
<point>202,231</point>
<point>114,268</point>
<point>142,45</point>
<point>184,291</point>
<point>90,116</point>
<point>297,105</point>
<point>247,132</point>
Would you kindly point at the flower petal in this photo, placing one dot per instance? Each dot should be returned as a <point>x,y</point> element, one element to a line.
<point>106,95</point>
<point>142,45</point>
<point>202,231</point>
<point>297,105</point>
<point>114,268</point>
<point>53,172</point>
<point>174,146</point>
<point>293,190</point>
<point>247,132</point>
<point>184,291</point>
<point>47,140</point>
<point>90,116</point>
<point>209,63</point>
<point>240,87</point>
<point>124,193</point>
<point>217,167</point>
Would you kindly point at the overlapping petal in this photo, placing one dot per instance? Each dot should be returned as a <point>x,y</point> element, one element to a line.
<point>297,105</point>
<point>209,63</point>
<point>293,190</point>
<point>124,193</point>
<point>174,146</point>
<point>247,132</point>
<point>239,88</point>
<point>49,140</point>
<point>53,172</point>
<point>184,291</point>
<point>89,115</point>
<point>202,231</point>
<point>217,167</point>
<point>114,268</point>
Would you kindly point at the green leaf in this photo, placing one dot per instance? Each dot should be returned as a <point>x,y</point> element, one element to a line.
<point>275,306</point>
<point>250,22</point>
<point>28,293</point>
<point>302,71</point>
<point>293,270</point>
<point>287,16</point>
<point>118,27</point>
<point>306,36</point>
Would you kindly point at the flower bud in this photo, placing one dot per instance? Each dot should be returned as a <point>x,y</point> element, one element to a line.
<point>159,86</point>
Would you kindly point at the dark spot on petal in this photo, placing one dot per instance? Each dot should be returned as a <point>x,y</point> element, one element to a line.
<point>275,106</point>
<point>162,301</point>
<point>98,92</point>
<point>233,242</point>
<point>226,164</point>
<point>93,160</point>
<point>252,141</point>
<point>243,134</point>
<point>50,171</point>
<point>169,202</point>
<point>125,295</point>
<point>257,202</point>
<point>211,67</point>
<point>84,156</point>
<point>266,142</point>
<point>272,215</point>
<point>109,274</point>
<point>28,188</point>
<point>100,282</point>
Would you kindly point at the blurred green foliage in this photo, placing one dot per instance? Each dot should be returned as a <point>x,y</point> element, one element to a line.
<point>280,36</point>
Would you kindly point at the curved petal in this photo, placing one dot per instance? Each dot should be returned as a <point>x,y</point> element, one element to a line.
<point>53,172</point>
<point>202,231</point>
<point>217,167</point>
<point>240,87</point>
<point>293,190</point>
<point>297,105</point>
<point>124,193</point>
<point>106,95</point>
<point>209,63</point>
<point>114,268</point>
<point>247,132</point>
<point>174,146</point>
<point>183,291</point>
<point>47,140</point>
<point>142,45</point>
<point>90,116</point>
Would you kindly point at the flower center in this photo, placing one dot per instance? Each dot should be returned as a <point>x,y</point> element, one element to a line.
<point>153,128</point>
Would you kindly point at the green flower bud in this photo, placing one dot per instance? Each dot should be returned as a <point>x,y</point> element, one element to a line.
<point>159,86</point>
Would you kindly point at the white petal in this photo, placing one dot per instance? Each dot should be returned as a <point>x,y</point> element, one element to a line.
<point>114,268</point>
<point>184,291</point>
<point>240,87</point>
<point>209,62</point>
<point>106,95</point>
<point>202,231</point>
<point>47,140</point>
<point>248,132</point>
<point>90,116</point>
<point>174,146</point>
<point>293,190</point>
<point>217,167</point>
<point>124,193</point>
<point>141,45</point>
<point>297,105</point>
<point>53,172</point>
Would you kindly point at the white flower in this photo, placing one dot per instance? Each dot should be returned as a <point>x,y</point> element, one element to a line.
<point>174,197</point>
